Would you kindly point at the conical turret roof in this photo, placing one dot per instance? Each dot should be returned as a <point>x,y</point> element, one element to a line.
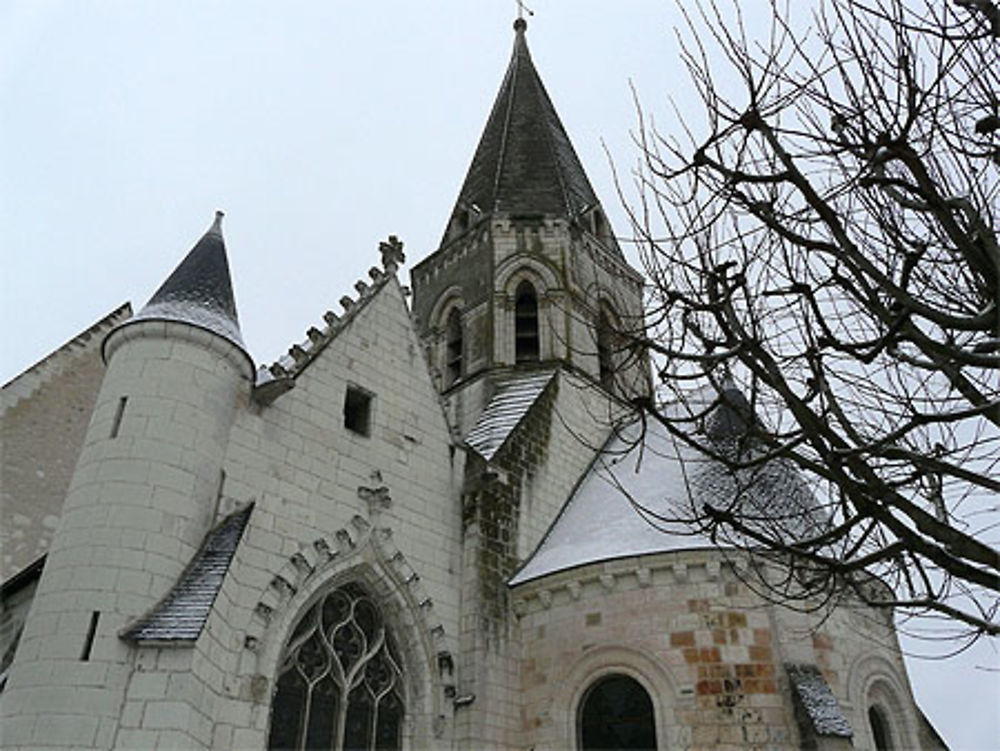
<point>200,291</point>
<point>525,163</point>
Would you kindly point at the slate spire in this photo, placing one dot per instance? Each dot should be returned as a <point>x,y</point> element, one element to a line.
<point>200,291</point>
<point>525,164</point>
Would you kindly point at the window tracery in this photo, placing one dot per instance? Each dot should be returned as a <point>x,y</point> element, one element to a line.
<point>339,682</point>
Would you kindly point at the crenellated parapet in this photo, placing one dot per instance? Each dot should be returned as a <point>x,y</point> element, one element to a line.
<point>279,377</point>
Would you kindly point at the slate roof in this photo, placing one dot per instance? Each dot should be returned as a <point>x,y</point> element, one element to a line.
<point>200,290</point>
<point>815,699</point>
<point>644,494</point>
<point>505,411</point>
<point>525,163</point>
<point>181,615</point>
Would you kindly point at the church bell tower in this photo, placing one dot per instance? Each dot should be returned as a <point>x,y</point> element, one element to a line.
<point>529,274</point>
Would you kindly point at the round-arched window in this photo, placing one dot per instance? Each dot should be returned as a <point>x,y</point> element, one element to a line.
<point>339,679</point>
<point>617,713</point>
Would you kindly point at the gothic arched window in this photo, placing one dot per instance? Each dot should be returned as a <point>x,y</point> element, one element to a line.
<point>880,728</point>
<point>339,679</point>
<point>526,347</point>
<point>453,347</point>
<point>617,713</point>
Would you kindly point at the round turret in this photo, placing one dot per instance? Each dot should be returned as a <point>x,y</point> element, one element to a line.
<point>142,498</point>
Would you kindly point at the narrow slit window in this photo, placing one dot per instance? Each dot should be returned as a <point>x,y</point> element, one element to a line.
<point>358,410</point>
<point>88,643</point>
<point>116,424</point>
<point>453,347</point>
<point>526,345</point>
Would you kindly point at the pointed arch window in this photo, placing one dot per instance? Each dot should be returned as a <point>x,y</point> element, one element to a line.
<point>526,343</point>
<point>453,347</point>
<point>616,713</point>
<point>339,682</point>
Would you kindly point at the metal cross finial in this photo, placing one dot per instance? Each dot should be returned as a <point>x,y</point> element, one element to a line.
<point>521,8</point>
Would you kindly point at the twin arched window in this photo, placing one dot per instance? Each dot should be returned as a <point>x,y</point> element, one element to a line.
<point>616,713</point>
<point>526,341</point>
<point>339,680</point>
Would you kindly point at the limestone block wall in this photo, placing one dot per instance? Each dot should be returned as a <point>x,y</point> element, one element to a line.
<point>139,504</point>
<point>709,652</point>
<point>331,506</point>
<point>44,413</point>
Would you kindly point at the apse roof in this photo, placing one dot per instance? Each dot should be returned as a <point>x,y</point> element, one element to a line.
<point>181,615</point>
<point>645,491</point>
<point>200,291</point>
<point>525,163</point>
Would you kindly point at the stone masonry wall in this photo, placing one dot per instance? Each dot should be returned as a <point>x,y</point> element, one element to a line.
<point>331,505</point>
<point>43,419</point>
<point>710,652</point>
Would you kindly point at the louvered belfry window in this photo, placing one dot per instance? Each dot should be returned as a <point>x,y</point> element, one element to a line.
<point>339,680</point>
<point>526,347</point>
<point>453,347</point>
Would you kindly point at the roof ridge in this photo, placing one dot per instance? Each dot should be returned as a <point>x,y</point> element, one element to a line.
<point>27,382</point>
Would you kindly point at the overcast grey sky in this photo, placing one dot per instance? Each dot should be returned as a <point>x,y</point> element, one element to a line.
<point>319,128</point>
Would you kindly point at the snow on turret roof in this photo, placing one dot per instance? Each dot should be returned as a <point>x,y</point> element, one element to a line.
<point>644,493</point>
<point>200,290</point>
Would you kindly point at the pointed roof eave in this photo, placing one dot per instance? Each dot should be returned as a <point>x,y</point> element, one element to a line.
<point>200,290</point>
<point>525,163</point>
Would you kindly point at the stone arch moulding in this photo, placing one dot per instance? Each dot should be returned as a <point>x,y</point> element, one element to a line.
<point>511,272</point>
<point>448,299</point>
<point>873,678</point>
<point>601,661</point>
<point>362,552</point>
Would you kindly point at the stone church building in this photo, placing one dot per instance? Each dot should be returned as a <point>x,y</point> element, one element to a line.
<point>416,530</point>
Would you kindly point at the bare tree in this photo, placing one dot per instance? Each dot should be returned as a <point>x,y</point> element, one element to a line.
<point>823,259</point>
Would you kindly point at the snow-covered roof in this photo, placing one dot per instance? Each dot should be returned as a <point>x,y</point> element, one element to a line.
<point>181,615</point>
<point>814,696</point>
<point>200,290</point>
<point>505,411</point>
<point>645,492</point>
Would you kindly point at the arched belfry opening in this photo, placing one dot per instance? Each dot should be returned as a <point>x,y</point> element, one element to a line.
<point>339,683</point>
<point>616,713</point>
<point>606,348</point>
<point>880,728</point>
<point>454,347</point>
<point>526,340</point>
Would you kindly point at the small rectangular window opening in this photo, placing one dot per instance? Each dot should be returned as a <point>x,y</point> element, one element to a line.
<point>88,644</point>
<point>119,414</point>
<point>358,410</point>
